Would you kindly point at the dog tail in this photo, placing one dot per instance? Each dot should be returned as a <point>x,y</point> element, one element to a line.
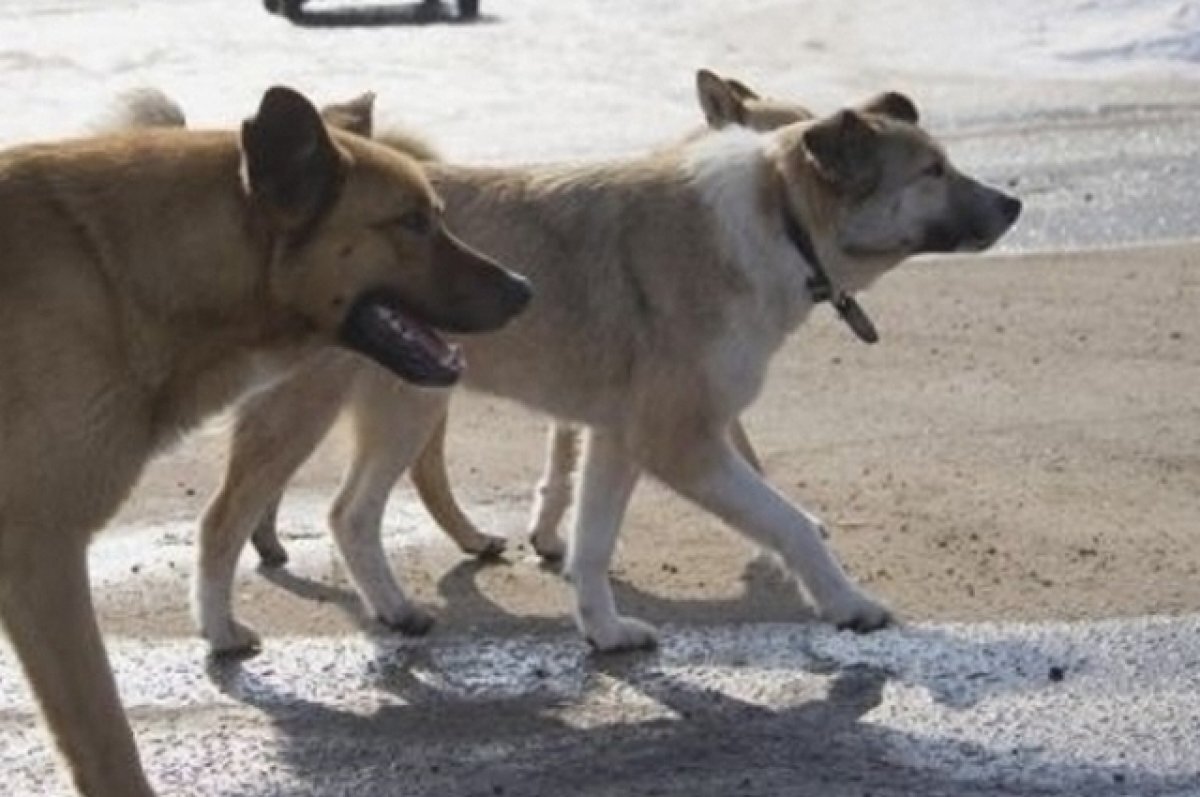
<point>141,108</point>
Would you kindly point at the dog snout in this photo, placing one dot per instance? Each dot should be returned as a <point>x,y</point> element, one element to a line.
<point>1010,208</point>
<point>517,293</point>
<point>483,294</point>
<point>497,297</point>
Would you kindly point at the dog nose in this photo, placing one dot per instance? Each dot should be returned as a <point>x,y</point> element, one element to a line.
<point>1010,208</point>
<point>517,293</point>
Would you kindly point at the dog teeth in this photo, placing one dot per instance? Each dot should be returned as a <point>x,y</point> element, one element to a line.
<point>447,356</point>
<point>452,358</point>
<point>397,323</point>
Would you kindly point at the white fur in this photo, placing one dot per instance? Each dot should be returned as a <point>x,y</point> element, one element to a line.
<point>555,490</point>
<point>728,168</point>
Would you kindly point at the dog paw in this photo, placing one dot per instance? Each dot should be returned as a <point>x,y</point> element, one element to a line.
<point>410,621</point>
<point>548,545</point>
<point>859,613</point>
<point>233,640</point>
<point>485,546</point>
<point>626,633</point>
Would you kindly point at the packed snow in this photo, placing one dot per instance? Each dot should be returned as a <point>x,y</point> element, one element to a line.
<point>568,77</point>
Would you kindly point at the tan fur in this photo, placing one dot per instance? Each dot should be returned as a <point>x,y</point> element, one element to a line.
<point>727,101</point>
<point>147,280</point>
<point>672,278</point>
<point>724,102</point>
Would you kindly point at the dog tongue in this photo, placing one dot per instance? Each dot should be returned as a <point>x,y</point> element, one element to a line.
<point>379,328</point>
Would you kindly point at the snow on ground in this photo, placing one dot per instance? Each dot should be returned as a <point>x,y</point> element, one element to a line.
<point>542,79</point>
<point>1106,708</point>
<point>1062,38</point>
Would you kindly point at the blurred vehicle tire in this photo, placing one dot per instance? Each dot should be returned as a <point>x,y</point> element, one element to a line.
<point>289,8</point>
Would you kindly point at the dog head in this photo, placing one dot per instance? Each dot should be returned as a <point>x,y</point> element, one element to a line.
<point>726,101</point>
<point>884,189</point>
<point>360,249</point>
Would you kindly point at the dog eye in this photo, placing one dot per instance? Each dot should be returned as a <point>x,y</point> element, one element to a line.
<point>935,170</point>
<point>415,221</point>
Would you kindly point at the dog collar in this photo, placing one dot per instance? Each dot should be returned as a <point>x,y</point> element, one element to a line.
<point>821,288</point>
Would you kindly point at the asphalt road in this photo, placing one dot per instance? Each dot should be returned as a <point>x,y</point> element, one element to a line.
<point>1106,708</point>
<point>1091,175</point>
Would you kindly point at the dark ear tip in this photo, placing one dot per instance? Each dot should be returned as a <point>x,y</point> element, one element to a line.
<point>901,106</point>
<point>281,99</point>
<point>741,89</point>
<point>280,94</point>
<point>705,77</point>
<point>895,105</point>
<point>848,119</point>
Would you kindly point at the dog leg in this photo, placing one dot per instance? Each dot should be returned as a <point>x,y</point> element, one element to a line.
<point>741,441</point>
<point>265,538</point>
<point>46,608</point>
<point>272,437</point>
<point>723,482</point>
<point>388,435</point>
<point>428,475</point>
<point>554,491</point>
<point>609,476</point>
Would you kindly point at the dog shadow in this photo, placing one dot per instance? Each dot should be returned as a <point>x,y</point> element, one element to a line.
<point>326,748</point>
<point>967,671</point>
<point>426,738</point>
<point>367,15</point>
<point>311,589</point>
<point>768,595</point>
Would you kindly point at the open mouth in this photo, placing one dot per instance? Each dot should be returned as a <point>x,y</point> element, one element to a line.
<point>377,326</point>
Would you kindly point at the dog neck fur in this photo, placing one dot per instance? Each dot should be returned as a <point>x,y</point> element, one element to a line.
<point>732,171</point>
<point>732,166</point>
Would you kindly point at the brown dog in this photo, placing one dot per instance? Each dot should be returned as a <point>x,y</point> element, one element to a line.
<point>675,277</point>
<point>146,280</point>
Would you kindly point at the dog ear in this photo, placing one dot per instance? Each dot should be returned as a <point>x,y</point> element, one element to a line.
<point>740,89</point>
<point>290,165</point>
<point>721,102</point>
<point>892,104</point>
<point>355,116</point>
<point>842,149</point>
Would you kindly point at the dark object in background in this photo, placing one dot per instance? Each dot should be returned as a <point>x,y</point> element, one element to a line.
<point>429,9</point>
<point>289,8</point>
